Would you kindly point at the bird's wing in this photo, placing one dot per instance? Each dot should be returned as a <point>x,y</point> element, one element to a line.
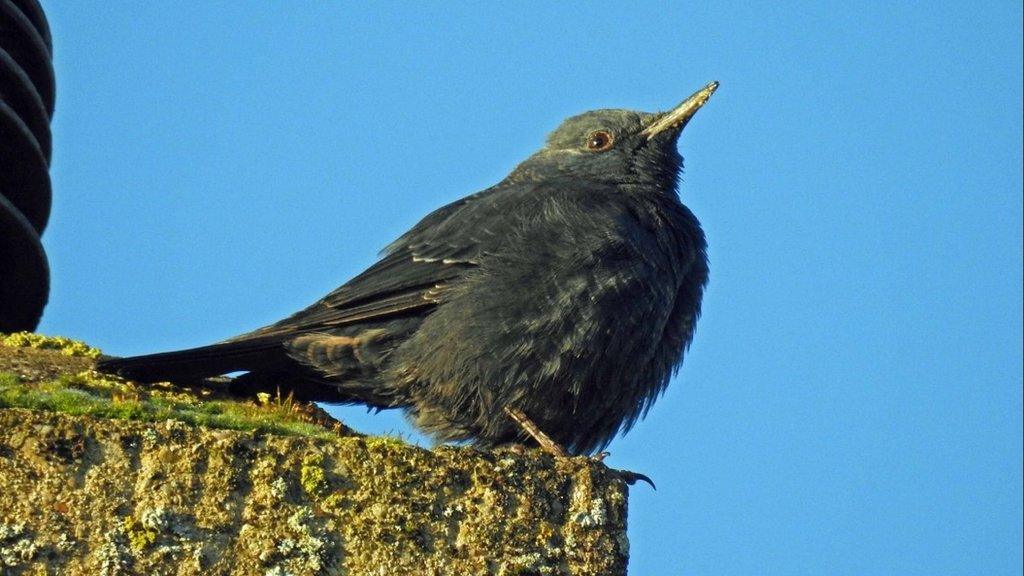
<point>415,270</point>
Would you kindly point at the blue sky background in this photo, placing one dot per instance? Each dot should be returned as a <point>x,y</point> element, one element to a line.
<point>852,402</point>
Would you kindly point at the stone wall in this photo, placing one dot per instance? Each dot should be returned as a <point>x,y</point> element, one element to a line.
<point>89,495</point>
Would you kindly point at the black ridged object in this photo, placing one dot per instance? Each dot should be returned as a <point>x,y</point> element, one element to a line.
<point>27,94</point>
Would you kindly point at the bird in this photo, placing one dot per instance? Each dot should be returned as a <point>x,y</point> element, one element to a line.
<point>550,309</point>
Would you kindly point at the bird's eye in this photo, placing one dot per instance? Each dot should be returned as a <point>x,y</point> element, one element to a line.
<point>600,141</point>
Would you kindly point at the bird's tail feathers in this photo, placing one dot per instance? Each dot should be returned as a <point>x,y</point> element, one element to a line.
<point>197,363</point>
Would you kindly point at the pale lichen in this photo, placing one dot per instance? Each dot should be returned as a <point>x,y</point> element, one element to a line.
<point>278,489</point>
<point>16,545</point>
<point>113,557</point>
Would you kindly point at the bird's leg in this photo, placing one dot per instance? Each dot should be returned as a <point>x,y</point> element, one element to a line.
<point>556,450</point>
<point>545,441</point>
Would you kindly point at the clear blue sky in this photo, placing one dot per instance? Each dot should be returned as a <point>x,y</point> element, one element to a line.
<point>852,402</point>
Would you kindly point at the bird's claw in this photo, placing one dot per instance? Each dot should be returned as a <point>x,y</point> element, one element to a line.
<point>631,478</point>
<point>627,476</point>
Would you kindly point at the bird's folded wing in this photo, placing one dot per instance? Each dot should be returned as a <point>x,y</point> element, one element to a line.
<point>396,285</point>
<point>417,268</point>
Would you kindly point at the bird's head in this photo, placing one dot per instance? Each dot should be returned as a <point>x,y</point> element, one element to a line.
<point>618,146</point>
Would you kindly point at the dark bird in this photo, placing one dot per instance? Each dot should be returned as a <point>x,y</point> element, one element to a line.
<point>554,305</point>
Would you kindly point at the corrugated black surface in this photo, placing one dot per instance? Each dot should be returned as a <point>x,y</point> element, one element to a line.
<point>27,94</point>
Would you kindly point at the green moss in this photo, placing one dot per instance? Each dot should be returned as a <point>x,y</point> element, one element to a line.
<point>139,536</point>
<point>313,477</point>
<point>385,442</point>
<point>92,394</point>
<point>65,346</point>
<point>333,501</point>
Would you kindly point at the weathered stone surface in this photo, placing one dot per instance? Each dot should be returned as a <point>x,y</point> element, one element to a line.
<point>88,495</point>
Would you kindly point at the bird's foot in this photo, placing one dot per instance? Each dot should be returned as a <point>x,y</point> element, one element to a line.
<point>545,441</point>
<point>627,476</point>
<point>556,450</point>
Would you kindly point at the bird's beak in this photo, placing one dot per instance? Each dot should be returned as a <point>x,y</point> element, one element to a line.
<point>677,118</point>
